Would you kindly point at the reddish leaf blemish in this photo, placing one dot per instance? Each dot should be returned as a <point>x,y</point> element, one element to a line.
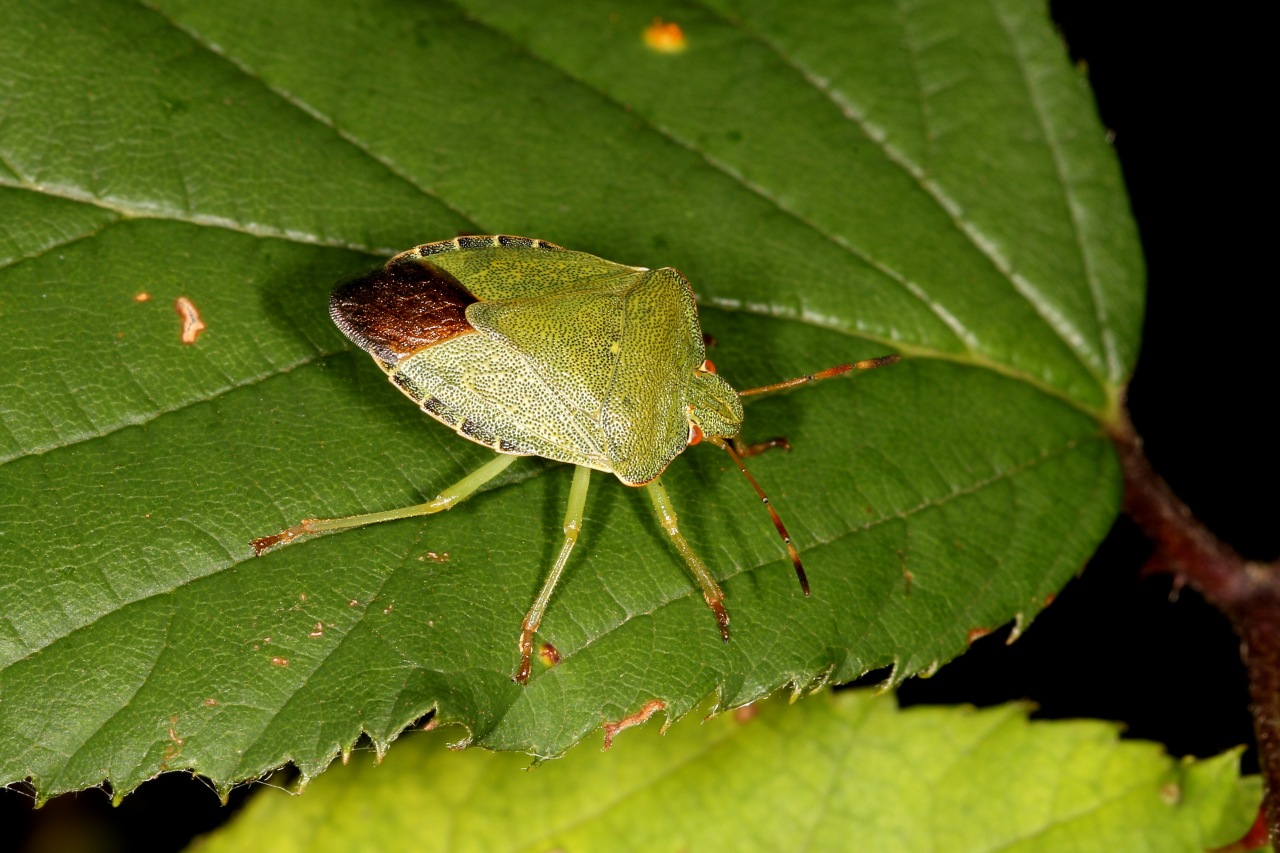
<point>192,325</point>
<point>977,634</point>
<point>746,713</point>
<point>174,748</point>
<point>550,654</point>
<point>141,297</point>
<point>280,662</point>
<point>1254,839</point>
<point>650,708</point>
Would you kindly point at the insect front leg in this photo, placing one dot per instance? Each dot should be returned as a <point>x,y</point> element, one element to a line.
<point>447,499</point>
<point>572,526</point>
<point>710,589</point>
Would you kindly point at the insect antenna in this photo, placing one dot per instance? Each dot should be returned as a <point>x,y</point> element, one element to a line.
<point>777,522</point>
<point>829,373</point>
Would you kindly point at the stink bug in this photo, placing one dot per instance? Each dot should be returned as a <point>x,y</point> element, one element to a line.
<point>534,350</point>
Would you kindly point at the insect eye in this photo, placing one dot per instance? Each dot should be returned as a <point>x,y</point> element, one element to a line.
<point>695,434</point>
<point>707,367</point>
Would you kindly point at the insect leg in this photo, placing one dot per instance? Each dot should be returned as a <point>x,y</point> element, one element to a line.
<point>459,491</point>
<point>572,526</point>
<point>748,450</point>
<point>829,373</point>
<point>728,445</point>
<point>710,589</point>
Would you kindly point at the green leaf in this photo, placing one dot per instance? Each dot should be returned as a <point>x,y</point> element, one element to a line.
<point>844,772</point>
<point>837,183</point>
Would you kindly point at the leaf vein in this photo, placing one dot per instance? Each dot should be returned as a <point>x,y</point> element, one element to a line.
<point>1073,209</point>
<point>144,419</point>
<point>983,244</point>
<point>307,109</point>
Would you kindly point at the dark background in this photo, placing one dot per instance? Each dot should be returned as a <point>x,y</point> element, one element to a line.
<point>1177,92</point>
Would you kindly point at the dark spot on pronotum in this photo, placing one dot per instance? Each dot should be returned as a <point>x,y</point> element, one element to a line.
<point>406,305</point>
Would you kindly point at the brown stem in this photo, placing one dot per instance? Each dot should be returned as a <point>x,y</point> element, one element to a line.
<point>1247,592</point>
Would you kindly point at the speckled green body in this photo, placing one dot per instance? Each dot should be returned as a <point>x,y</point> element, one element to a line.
<point>573,358</point>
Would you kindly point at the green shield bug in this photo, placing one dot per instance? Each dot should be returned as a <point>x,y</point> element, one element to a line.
<point>534,350</point>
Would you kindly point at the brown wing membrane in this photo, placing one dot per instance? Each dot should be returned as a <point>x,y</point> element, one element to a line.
<point>401,308</point>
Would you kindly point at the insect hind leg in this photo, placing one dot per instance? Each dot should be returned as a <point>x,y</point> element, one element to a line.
<point>447,499</point>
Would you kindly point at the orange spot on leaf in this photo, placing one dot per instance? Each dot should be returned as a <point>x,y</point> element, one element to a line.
<point>141,297</point>
<point>192,325</point>
<point>650,708</point>
<point>279,661</point>
<point>977,634</point>
<point>665,36</point>
<point>550,654</point>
